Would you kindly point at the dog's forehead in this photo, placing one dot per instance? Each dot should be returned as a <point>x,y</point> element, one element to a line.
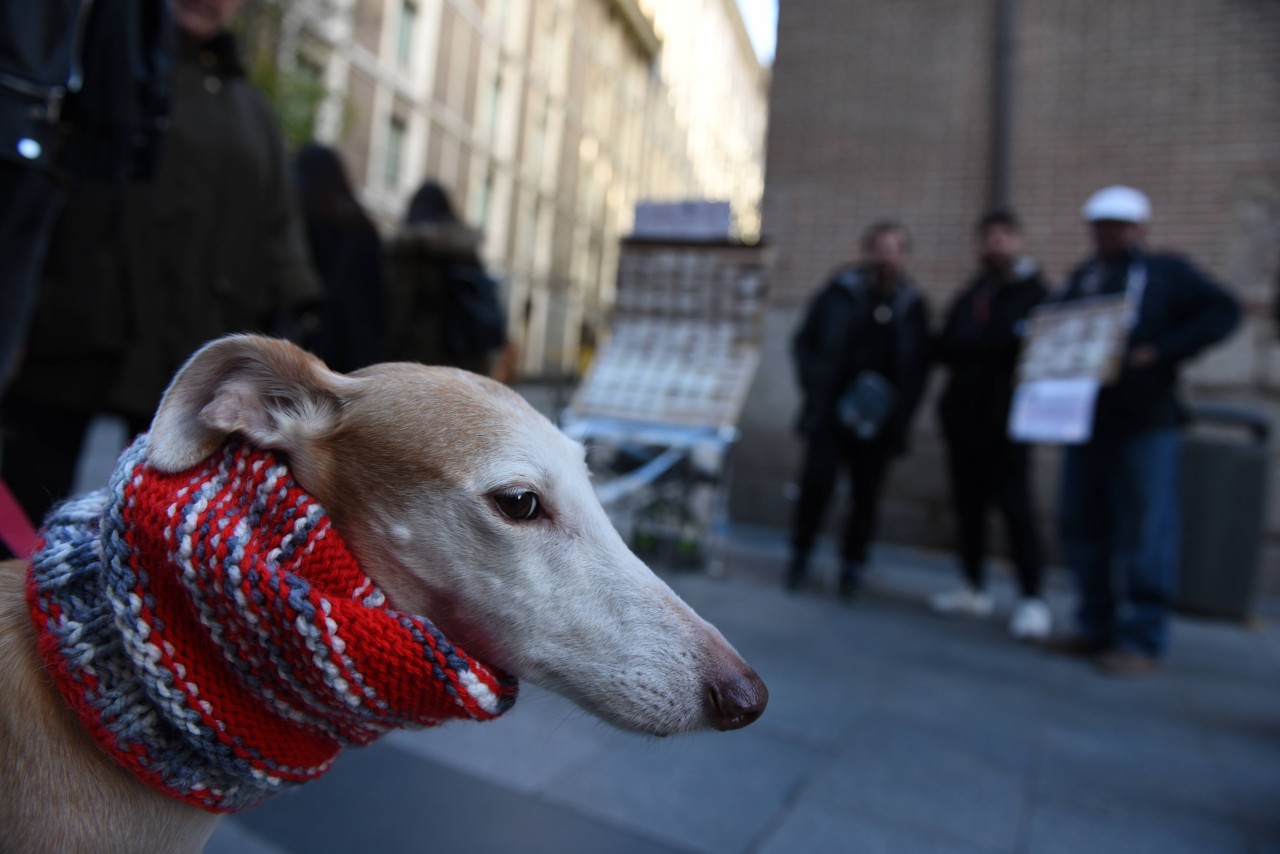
<point>470,410</point>
<point>428,391</point>
<point>542,466</point>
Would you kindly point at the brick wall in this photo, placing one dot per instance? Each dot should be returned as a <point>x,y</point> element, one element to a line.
<point>885,110</point>
<point>1179,98</point>
<point>877,110</point>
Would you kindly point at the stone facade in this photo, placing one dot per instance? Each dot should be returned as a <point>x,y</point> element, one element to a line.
<point>548,120</point>
<point>887,110</point>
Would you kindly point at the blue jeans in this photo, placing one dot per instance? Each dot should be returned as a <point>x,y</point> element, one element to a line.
<point>1121,528</point>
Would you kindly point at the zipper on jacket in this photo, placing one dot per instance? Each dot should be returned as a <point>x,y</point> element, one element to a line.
<point>75,77</point>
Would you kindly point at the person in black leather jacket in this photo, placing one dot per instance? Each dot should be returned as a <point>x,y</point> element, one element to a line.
<point>979,344</point>
<point>868,319</point>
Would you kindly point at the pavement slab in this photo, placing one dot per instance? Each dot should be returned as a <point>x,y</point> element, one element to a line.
<point>906,772</point>
<point>1069,829</point>
<point>817,827</point>
<point>382,799</point>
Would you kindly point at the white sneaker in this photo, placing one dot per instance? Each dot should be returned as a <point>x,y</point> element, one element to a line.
<point>1031,620</point>
<point>963,602</point>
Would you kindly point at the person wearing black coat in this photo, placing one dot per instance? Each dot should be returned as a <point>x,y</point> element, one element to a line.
<point>979,344</point>
<point>85,90</point>
<point>866,331</point>
<point>346,251</point>
<point>443,307</point>
<point>1120,508</point>
<point>140,274</point>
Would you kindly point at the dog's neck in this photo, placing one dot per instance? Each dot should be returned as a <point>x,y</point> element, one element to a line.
<point>214,634</point>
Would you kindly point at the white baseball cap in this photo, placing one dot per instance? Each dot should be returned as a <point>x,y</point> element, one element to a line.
<point>1119,203</point>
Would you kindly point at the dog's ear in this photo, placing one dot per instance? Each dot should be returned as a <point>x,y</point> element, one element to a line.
<point>269,391</point>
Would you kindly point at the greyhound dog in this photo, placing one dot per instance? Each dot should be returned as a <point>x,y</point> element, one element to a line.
<point>468,510</point>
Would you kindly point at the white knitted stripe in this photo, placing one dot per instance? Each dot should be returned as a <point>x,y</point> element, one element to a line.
<point>480,691</point>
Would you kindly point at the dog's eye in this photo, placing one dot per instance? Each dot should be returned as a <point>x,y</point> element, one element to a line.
<point>520,505</point>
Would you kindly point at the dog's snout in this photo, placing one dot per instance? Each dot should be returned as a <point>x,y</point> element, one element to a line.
<point>737,700</point>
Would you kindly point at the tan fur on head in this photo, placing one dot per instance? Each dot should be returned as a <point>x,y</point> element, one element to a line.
<point>272,393</point>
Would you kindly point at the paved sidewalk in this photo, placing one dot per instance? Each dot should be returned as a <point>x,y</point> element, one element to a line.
<point>888,729</point>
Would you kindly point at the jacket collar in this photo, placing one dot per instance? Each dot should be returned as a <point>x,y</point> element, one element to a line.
<point>1023,269</point>
<point>855,281</point>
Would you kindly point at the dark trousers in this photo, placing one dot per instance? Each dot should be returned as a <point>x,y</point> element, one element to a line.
<point>29,203</point>
<point>41,449</point>
<point>991,472</point>
<point>1121,533</point>
<point>826,456</point>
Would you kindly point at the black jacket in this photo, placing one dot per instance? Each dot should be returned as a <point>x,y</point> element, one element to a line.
<point>347,253</point>
<point>138,278</point>
<point>980,344</point>
<point>421,262</point>
<point>829,357</point>
<point>86,85</point>
<point>1182,313</point>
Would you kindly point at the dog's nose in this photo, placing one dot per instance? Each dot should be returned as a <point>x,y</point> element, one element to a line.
<point>737,700</point>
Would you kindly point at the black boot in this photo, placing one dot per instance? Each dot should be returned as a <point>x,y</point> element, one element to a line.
<point>850,580</point>
<point>797,569</point>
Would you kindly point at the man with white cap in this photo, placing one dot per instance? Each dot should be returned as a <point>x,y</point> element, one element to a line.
<point>1119,513</point>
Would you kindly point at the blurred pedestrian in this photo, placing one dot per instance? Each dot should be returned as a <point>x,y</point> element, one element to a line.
<point>979,344</point>
<point>1120,504</point>
<point>84,91</point>
<point>862,355</point>
<point>139,277</point>
<point>443,306</point>
<point>347,253</point>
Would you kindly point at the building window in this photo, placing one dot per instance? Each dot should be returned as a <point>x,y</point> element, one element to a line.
<point>491,114</point>
<point>395,152</point>
<point>404,38</point>
<point>486,198</point>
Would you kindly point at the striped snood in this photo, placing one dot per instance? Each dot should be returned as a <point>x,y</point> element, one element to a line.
<point>214,634</point>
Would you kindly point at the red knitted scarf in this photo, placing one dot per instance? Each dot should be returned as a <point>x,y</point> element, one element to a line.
<point>216,636</point>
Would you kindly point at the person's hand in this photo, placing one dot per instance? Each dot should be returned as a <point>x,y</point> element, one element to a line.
<point>1143,356</point>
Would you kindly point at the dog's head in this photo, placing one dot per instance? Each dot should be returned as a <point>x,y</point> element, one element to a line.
<point>470,508</point>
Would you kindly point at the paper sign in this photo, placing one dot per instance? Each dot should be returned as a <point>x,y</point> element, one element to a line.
<point>1082,338</point>
<point>699,220</point>
<point>1071,350</point>
<point>1054,411</point>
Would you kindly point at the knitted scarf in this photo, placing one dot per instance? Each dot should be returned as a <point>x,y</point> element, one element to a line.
<point>214,634</point>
